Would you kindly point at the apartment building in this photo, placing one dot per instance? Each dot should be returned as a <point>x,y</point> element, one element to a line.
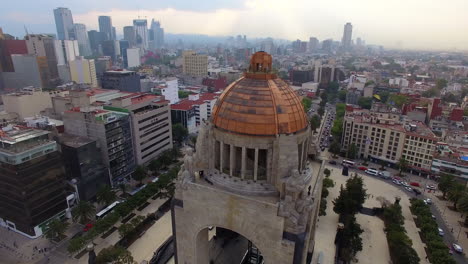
<point>151,123</point>
<point>195,64</point>
<point>384,137</point>
<point>113,133</point>
<point>450,160</point>
<point>32,180</point>
<point>192,111</point>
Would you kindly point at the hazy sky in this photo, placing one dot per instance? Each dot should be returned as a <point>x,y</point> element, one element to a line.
<point>427,24</point>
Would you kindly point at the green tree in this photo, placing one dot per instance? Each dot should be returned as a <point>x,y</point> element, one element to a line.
<point>342,95</point>
<point>183,94</point>
<point>307,103</point>
<point>337,128</point>
<point>323,207</point>
<point>321,111</point>
<point>340,110</point>
<point>441,83</point>
<point>328,183</point>
<point>125,230</point>
<point>351,241</point>
<point>115,255</point>
<point>139,174</point>
<point>83,212</point>
<point>446,183</point>
<point>456,193</point>
<point>463,206</point>
<point>335,148</point>
<point>399,99</point>
<point>384,96</point>
<point>365,102</point>
<point>106,195</point>
<point>179,132</point>
<point>432,92</point>
<point>327,172</point>
<point>352,151</point>
<point>402,165</point>
<point>56,230</point>
<point>315,122</point>
<point>351,198</point>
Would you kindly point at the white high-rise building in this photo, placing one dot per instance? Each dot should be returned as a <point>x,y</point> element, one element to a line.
<point>141,31</point>
<point>81,35</point>
<point>347,35</point>
<point>66,51</point>
<point>63,22</point>
<point>83,71</point>
<point>133,57</point>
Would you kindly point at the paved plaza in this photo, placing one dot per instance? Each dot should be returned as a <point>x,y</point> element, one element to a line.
<point>375,247</point>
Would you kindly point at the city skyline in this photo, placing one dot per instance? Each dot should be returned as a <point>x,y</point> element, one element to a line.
<point>435,27</point>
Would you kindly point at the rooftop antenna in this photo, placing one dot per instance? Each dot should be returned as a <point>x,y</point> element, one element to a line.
<point>26,30</point>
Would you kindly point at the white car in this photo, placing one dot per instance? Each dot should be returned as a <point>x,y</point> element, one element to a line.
<point>441,232</point>
<point>457,248</point>
<point>409,189</point>
<point>372,172</point>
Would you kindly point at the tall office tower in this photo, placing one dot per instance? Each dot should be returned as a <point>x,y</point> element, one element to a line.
<point>32,180</point>
<point>95,40</point>
<point>43,47</point>
<point>195,64</point>
<point>249,180</point>
<point>66,51</point>
<point>108,49</point>
<point>347,34</point>
<point>130,35</point>
<point>313,44</point>
<point>105,26</point>
<point>81,35</point>
<point>123,44</point>
<point>27,72</point>
<point>114,34</point>
<point>158,34</point>
<point>141,32</point>
<point>112,130</point>
<point>83,71</point>
<point>83,162</point>
<point>63,22</point>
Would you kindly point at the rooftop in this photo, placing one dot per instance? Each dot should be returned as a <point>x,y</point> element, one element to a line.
<point>16,134</point>
<point>187,104</point>
<point>74,141</point>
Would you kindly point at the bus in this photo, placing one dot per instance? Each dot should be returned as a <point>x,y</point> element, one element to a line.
<point>106,210</point>
<point>348,163</point>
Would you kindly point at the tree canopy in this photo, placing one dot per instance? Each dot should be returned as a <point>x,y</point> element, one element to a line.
<point>179,132</point>
<point>83,212</point>
<point>105,195</point>
<point>365,102</point>
<point>307,103</point>
<point>183,94</point>
<point>114,254</point>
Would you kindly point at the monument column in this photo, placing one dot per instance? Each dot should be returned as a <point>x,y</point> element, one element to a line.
<point>221,153</point>
<point>232,160</point>
<point>256,164</point>
<point>244,152</point>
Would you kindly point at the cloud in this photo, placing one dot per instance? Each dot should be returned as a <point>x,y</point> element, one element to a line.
<point>416,23</point>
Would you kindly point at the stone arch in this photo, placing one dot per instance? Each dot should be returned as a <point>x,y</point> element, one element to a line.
<point>199,234</point>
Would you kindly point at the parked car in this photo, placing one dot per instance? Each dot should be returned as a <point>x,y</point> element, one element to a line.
<point>409,189</point>
<point>415,184</point>
<point>87,227</point>
<point>457,248</point>
<point>385,174</point>
<point>416,191</point>
<point>332,162</point>
<point>397,182</point>
<point>362,168</point>
<point>428,201</point>
<point>372,172</point>
<point>441,232</point>
<point>430,187</point>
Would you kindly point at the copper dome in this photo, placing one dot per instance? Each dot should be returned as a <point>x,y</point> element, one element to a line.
<point>259,103</point>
